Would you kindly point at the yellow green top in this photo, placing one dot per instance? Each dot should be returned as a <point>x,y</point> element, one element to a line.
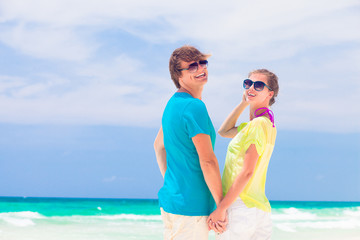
<point>259,131</point>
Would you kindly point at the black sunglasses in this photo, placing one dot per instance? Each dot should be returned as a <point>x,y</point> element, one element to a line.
<point>258,85</point>
<point>195,66</point>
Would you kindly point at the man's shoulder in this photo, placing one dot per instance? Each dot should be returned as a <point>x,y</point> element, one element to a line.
<point>195,105</point>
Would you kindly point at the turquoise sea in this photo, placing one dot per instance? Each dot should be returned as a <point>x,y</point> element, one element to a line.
<point>110,219</point>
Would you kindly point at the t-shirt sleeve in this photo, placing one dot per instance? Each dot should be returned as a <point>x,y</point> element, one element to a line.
<point>196,118</point>
<point>255,135</point>
<point>241,126</point>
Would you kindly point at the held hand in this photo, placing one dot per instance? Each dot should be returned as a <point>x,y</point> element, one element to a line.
<point>218,220</point>
<point>212,226</point>
<point>218,226</point>
<point>224,223</point>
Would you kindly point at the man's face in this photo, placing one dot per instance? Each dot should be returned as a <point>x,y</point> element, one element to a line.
<point>196,74</point>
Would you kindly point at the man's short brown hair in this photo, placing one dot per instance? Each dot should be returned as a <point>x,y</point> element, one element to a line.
<point>185,53</point>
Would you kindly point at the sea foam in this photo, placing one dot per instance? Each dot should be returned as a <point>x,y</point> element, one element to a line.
<point>20,219</point>
<point>292,219</point>
<point>293,214</point>
<point>100,218</point>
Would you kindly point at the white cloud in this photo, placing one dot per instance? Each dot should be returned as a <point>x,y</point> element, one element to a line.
<point>311,45</point>
<point>82,12</point>
<point>47,42</point>
<point>109,179</point>
<point>53,30</point>
<point>111,69</point>
<point>10,82</point>
<point>107,97</point>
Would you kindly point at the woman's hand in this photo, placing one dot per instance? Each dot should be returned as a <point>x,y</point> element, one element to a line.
<point>218,220</point>
<point>244,99</point>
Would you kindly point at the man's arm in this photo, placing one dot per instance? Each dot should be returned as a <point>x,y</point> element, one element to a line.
<point>160,151</point>
<point>209,165</point>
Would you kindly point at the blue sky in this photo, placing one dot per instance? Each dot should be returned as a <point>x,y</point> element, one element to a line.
<point>83,85</point>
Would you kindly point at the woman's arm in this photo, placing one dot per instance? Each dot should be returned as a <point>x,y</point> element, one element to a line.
<point>228,128</point>
<point>250,159</point>
<point>160,151</point>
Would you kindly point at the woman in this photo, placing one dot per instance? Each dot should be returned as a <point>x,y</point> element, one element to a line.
<point>247,161</point>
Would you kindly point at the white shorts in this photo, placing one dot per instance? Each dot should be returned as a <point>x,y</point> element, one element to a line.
<point>180,227</point>
<point>247,223</point>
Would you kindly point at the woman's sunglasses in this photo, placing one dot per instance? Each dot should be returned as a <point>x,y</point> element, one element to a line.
<point>195,66</point>
<point>258,85</point>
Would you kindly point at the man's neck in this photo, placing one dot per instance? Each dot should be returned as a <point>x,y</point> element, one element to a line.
<point>195,93</point>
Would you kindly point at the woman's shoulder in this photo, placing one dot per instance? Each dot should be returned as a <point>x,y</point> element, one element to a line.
<point>256,122</point>
<point>262,123</point>
<point>260,120</point>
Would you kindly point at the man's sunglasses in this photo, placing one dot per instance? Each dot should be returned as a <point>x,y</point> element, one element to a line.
<point>258,85</point>
<point>195,66</point>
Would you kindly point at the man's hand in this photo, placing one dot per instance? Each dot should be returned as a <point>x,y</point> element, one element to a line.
<point>218,221</point>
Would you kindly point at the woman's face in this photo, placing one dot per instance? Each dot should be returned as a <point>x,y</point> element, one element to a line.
<point>258,97</point>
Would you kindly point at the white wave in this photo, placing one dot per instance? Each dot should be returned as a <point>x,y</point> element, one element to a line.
<point>285,227</point>
<point>344,224</point>
<point>19,222</point>
<point>340,224</point>
<point>25,219</point>
<point>292,219</point>
<point>100,218</point>
<point>26,214</point>
<point>20,219</point>
<point>132,217</point>
<point>352,213</point>
<point>293,214</point>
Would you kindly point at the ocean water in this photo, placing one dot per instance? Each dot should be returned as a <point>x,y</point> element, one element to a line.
<point>110,219</point>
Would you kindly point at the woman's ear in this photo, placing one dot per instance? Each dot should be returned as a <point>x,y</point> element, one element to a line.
<point>271,94</point>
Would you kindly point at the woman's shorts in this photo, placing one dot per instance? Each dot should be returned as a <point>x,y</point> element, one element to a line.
<point>247,223</point>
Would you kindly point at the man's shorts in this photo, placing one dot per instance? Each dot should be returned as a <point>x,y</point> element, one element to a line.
<point>247,223</point>
<point>180,227</point>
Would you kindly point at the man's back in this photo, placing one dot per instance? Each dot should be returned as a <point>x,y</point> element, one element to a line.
<point>185,191</point>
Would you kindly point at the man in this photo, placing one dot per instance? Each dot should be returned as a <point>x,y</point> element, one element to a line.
<point>184,151</point>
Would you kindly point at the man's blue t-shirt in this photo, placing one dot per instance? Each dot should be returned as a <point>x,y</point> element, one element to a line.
<point>185,191</point>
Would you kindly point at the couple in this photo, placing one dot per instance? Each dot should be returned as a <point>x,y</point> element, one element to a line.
<point>194,199</point>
